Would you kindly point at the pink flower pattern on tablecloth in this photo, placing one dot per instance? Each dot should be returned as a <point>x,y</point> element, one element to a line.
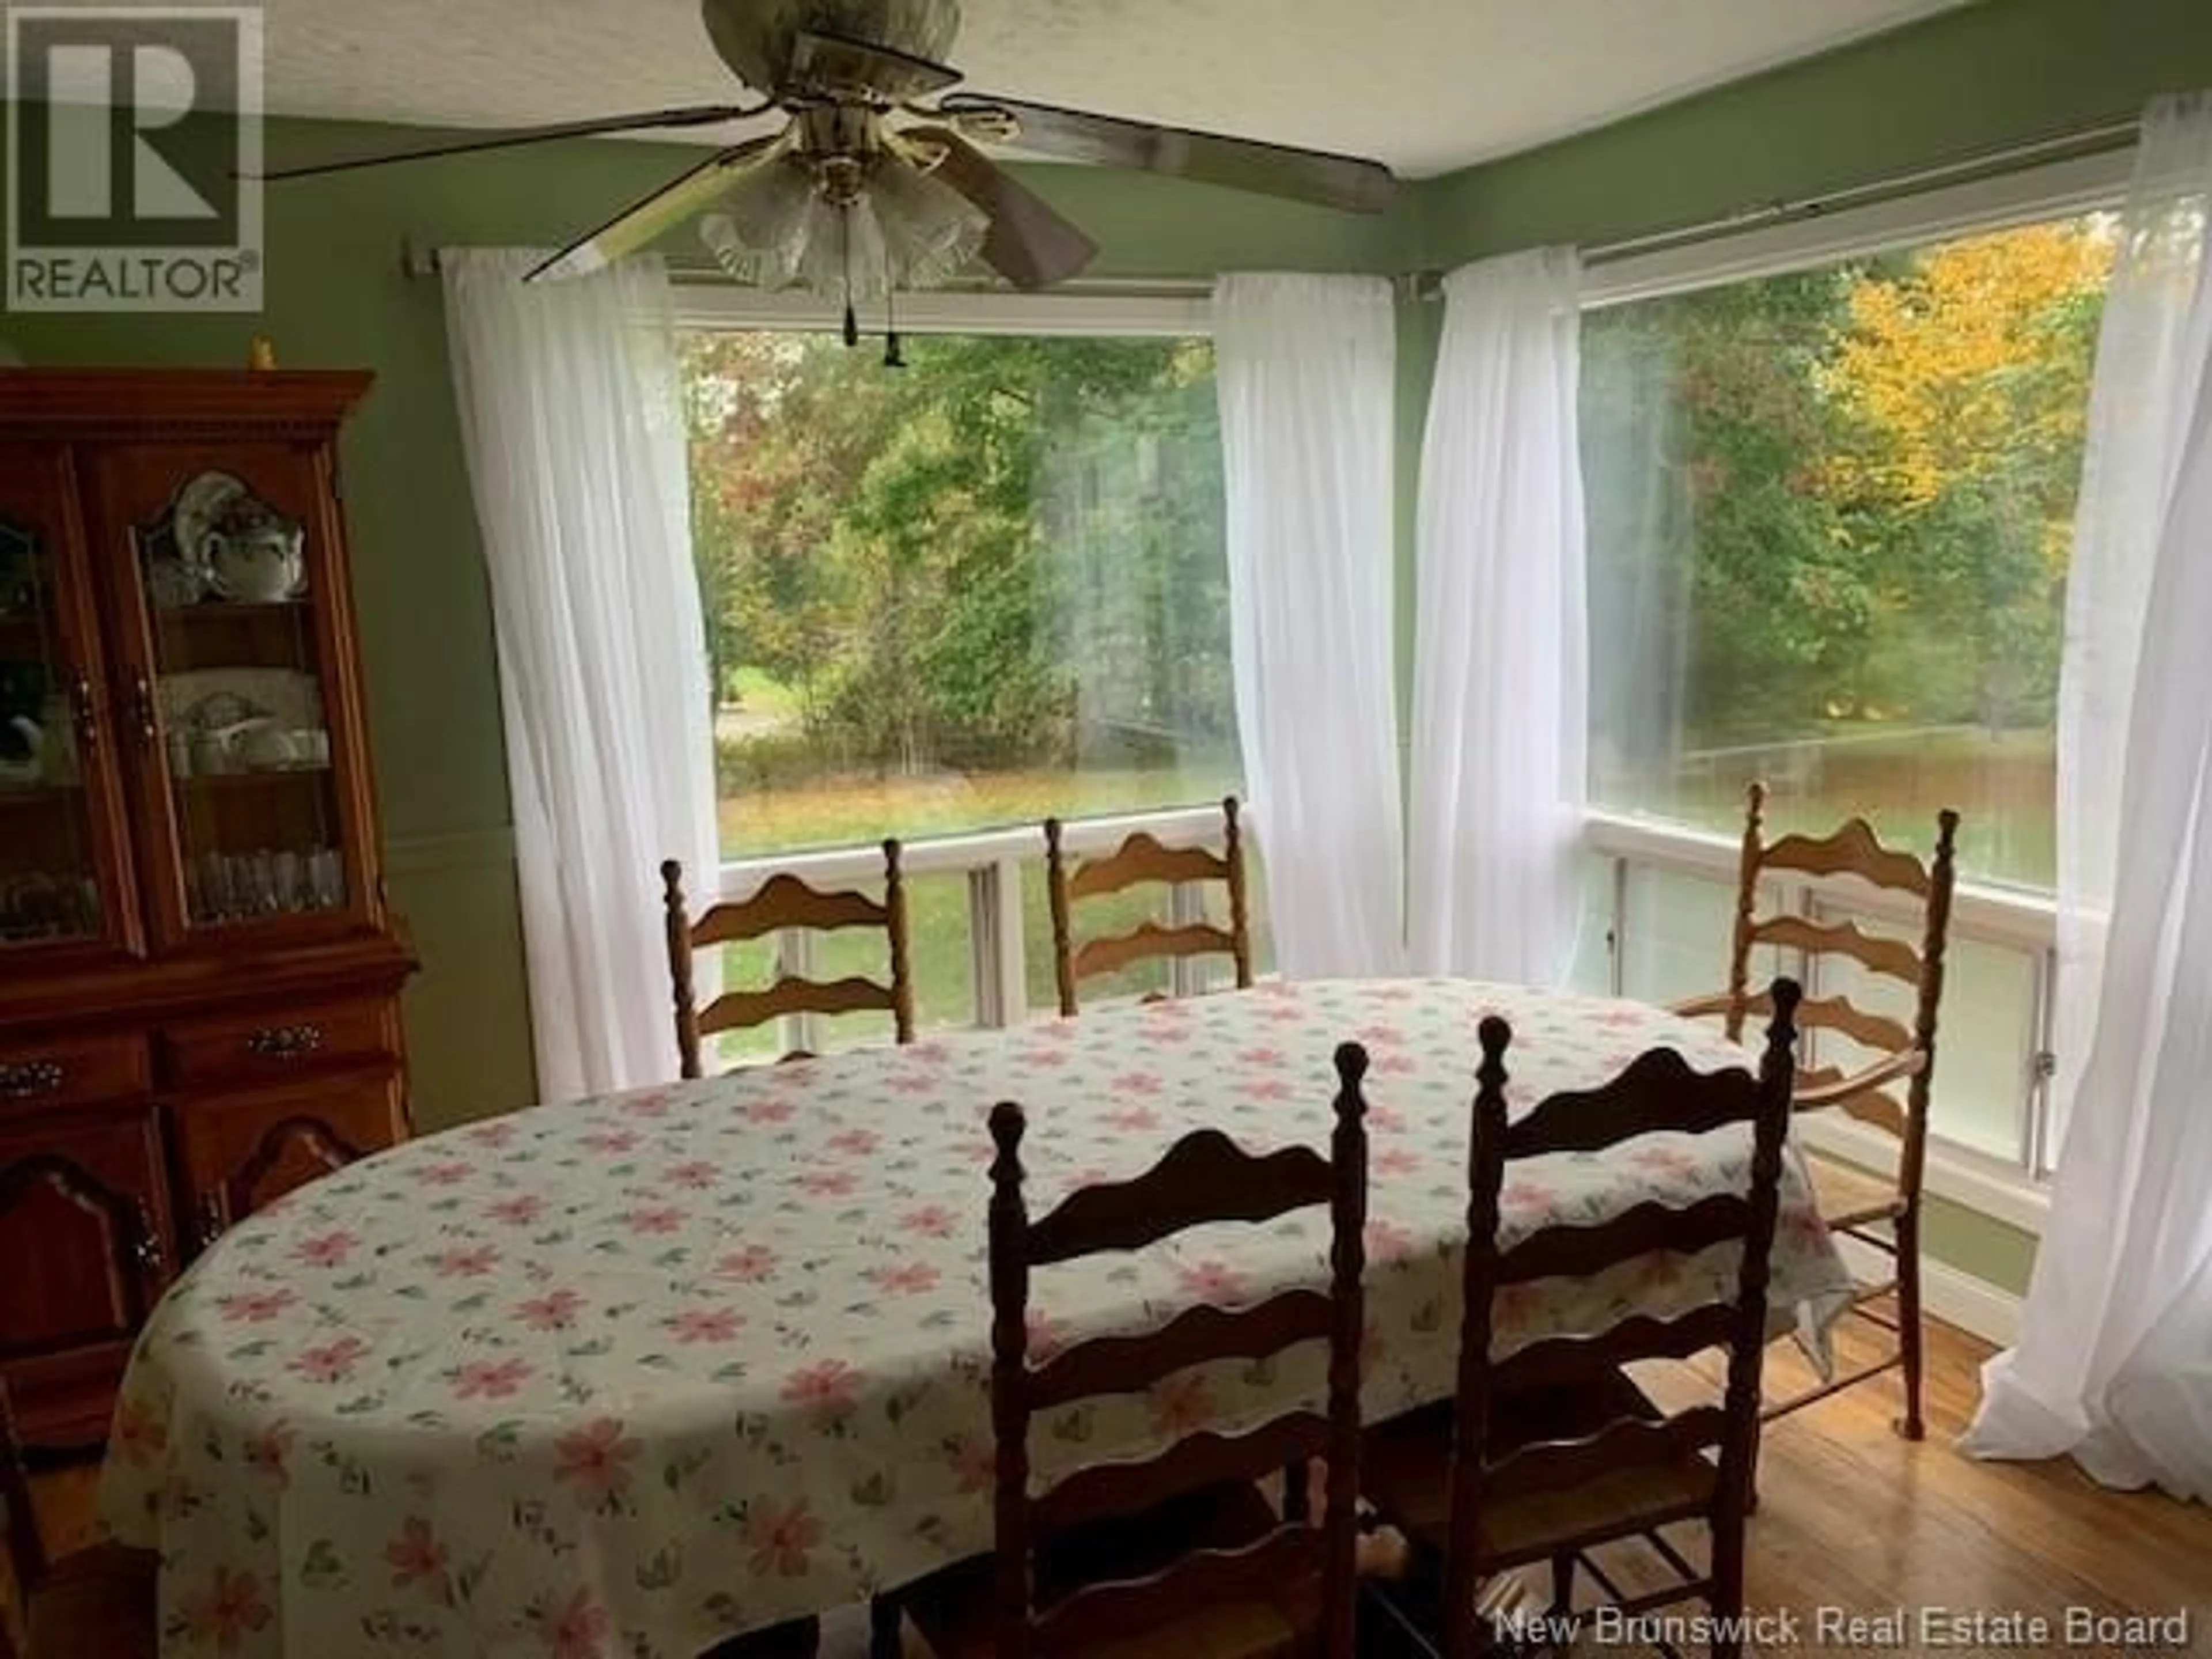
<point>620,1376</point>
<point>416,1557</point>
<point>575,1629</point>
<point>781,1537</point>
<point>231,1609</point>
<point>596,1459</point>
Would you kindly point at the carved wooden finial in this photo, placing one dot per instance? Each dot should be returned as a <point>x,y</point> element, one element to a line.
<point>1496,1036</point>
<point>1350,1066</point>
<point>676,926</point>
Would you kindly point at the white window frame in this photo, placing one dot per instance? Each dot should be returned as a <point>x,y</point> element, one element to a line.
<point>2015,919</point>
<point>991,859</point>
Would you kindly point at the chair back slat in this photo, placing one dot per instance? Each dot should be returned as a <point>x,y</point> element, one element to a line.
<point>1191,1464</point>
<point>1876,952</point>
<point>1656,1091</point>
<point>1565,1361</point>
<point>1855,850</point>
<point>1840,1014</point>
<point>1148,940</point>
<point>1206,1176</point>
<point>1852,850</point>
<point>735,1010</point>
<point>1581,1250</point>
<point>1141,859</point>
<point>1659,1093</point>
<point>782,903</point>
<point>1627,1442</point>
<point>1197,1336</point>
<point>1122,1612</point>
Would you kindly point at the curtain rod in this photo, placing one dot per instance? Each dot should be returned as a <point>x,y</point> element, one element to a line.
<point>2068,146</point>
<point>419,260</point>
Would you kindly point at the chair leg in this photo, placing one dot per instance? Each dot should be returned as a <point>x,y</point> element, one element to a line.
<point>1750,1479</point>
<point>1725,1596</point>
<point>1562,1597</point>
<point>1908,1331</point>
<point>884,1620</point>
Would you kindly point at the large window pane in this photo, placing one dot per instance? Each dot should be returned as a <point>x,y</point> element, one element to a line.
<point>983,589</point>
<point>1679,930</point>
<point>1830,516</point>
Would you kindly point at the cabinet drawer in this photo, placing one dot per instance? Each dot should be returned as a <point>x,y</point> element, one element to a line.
<point>82,1071</point>
<point>273,1043</point>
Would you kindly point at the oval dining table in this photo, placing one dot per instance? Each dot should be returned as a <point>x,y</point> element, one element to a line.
<point>628,1375</point>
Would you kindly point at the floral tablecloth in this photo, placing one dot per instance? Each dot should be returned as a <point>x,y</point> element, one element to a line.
<point>624,1377</point>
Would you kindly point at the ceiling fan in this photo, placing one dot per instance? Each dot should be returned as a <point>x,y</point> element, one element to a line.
<point>867,188</point>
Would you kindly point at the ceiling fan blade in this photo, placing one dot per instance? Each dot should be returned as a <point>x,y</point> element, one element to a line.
<point>1029,244</point>
<point>647,220</point>
<point>1305,175</point>
<point>835,63</point>
<point>700,115</point>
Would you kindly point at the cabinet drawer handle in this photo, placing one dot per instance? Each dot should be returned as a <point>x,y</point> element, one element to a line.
<point>27,1079</point>
<point>147,1247</point>
<point>286,1041</point>
<point>146,714</point>
<point>85,703</point>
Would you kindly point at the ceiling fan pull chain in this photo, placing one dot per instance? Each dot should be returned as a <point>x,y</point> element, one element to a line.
<point>893,348</point>
<point>852,317</point>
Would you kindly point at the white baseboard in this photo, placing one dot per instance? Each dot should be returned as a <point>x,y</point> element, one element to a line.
<point>1974,1305</point>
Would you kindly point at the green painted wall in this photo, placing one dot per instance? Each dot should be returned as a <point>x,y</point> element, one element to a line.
<point>337,296</point>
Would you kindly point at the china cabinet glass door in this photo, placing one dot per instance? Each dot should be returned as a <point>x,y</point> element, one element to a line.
<point>245,740</point>
<point>64,875</point>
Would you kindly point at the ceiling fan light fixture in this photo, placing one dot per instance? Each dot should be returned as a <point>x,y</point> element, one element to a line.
<point>903,230</point>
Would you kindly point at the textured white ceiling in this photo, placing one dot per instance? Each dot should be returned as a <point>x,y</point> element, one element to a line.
<point>1424,85</point>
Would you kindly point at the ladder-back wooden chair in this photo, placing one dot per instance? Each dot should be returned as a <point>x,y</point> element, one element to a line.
<point>1140,859</point>
<point>1876,1209</point>
<point>784,901</point>
<point>96,1601</point>
<point>1552,1452</point>
<point>1180,1553</point>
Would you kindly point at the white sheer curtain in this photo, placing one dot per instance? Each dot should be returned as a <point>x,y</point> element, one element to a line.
<point>572,423</point>
<point>1500,671</point>
<point>1306,371</point>
<point>2114,1364</point>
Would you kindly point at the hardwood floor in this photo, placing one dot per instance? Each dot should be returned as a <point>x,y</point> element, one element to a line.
<point>1855,1520</point>
<point>1865,1525</point>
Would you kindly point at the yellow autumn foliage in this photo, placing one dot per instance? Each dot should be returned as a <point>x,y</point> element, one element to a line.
<point>1948,369</point>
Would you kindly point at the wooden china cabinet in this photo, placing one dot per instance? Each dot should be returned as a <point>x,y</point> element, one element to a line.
<point>199,979</point>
